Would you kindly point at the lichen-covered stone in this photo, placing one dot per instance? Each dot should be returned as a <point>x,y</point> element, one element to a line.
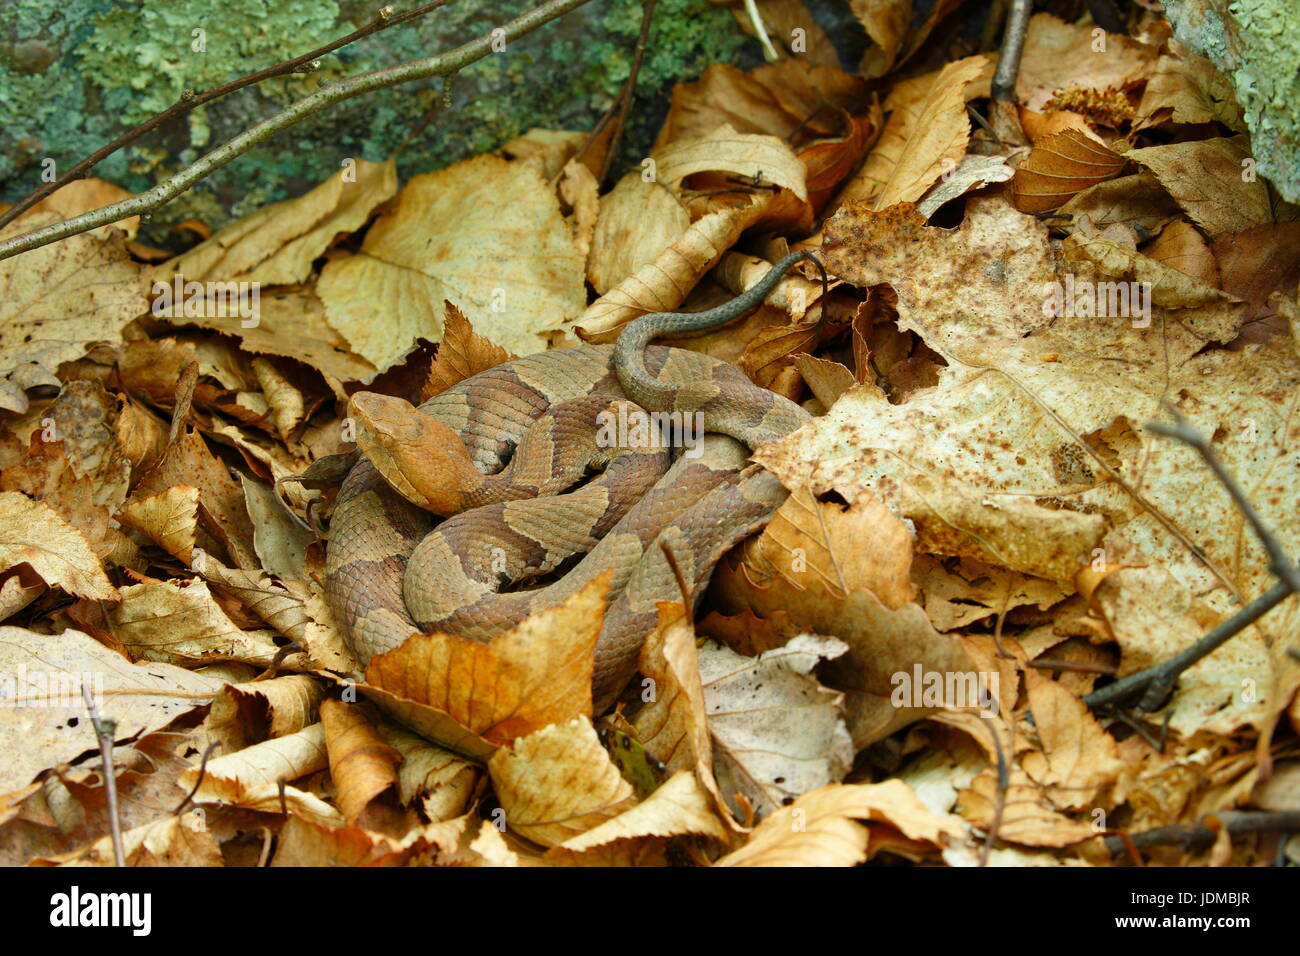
<point>76,73</point>
<point>1256,44</point>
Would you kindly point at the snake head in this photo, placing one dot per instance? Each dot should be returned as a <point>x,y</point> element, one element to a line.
<point>421,458</point>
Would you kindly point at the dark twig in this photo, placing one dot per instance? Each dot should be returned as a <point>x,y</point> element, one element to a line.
<point>1158,681</point>
<point>1004,784</point>
<point>628,93</point>
<point>323,98</point>
<point>190,100</point>
<point>105,729</point>
<point>1198,837</point>
<point>198,781</point>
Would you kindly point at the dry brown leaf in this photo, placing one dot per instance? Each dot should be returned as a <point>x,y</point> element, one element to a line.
<point>277,244</point>
<point>222,513</point>
<point>821,828</point>
<point>1058,55</point>
<point>168,519</point>
<point>1213,180</point>
<point>958,592</point>
<point>1166,286</point>
<point>252,778</point>
<point>171,841</point>
<point>1181,247</point>
<point>474,697</point>
<point>1059,167</point>
<point>167,621</point>
<point>547,149</point>
<point>752,156</point>
<point>1058,408</point>
<point>305,842</point>
<point>926,134</point>
<point>362,765</point>
<point>679,807</point>
<point>1258,262</point>
<point>1138,201</point>
<point>638,221</point>
<point>33,534</point>
<point>283,705</point>
<point>461,354</point>
<point>443,782</point>
<point>485,234</point>
<point>1078,757</point>
<point>863,547</point>
<point>886,22</point>
<point>1187,89</point>
<point>661,284</point>
<point>972,172</point>
<point>672,725</point>
<point>558,782</point>
<point>1027,816</point>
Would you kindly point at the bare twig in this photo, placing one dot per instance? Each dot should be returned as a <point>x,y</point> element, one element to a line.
<point>1198,837</point>
<point>1004,784</point>
<point>198,781</point>
<point>628,93</point>
<point>190,100</point>
<point>105,729</point>
<point>760,31</point>
<point>1013,42</point>
<point>346,89</point>
<point>1158,681</point>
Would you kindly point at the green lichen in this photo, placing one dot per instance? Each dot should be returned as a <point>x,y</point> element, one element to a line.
<point>111,64</point>
<point>1256,44</point>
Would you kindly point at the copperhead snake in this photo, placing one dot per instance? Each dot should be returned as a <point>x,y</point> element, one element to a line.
<point>491,455</point>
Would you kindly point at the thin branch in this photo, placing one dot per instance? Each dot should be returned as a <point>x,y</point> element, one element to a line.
<point>1013,42</point>
<point>190,100</point>
<point>169,189</point>
<point>105,729</point>
<point>999,805</point>
<point>628,93</point>
<point>760,31</point>
<point>1198,837</point>
<point>1158,681</point>
<point>198,782</point>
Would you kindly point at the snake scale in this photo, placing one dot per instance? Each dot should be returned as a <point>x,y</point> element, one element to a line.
<point>492,455</point>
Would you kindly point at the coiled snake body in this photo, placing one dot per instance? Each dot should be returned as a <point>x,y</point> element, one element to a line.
<point>496,449</point>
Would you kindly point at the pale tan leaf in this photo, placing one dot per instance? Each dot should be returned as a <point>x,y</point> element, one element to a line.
<point>748,155</point>
<point>777,732</point>
<point>822,828</point>
<point>277,244</point>
<point>57,300</point>
<point>32,533</point>
<point>46,721</point>
<point>161,621</point>
<point>558,782</point>
<point>485,234</point>
<point>1213,180</point>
